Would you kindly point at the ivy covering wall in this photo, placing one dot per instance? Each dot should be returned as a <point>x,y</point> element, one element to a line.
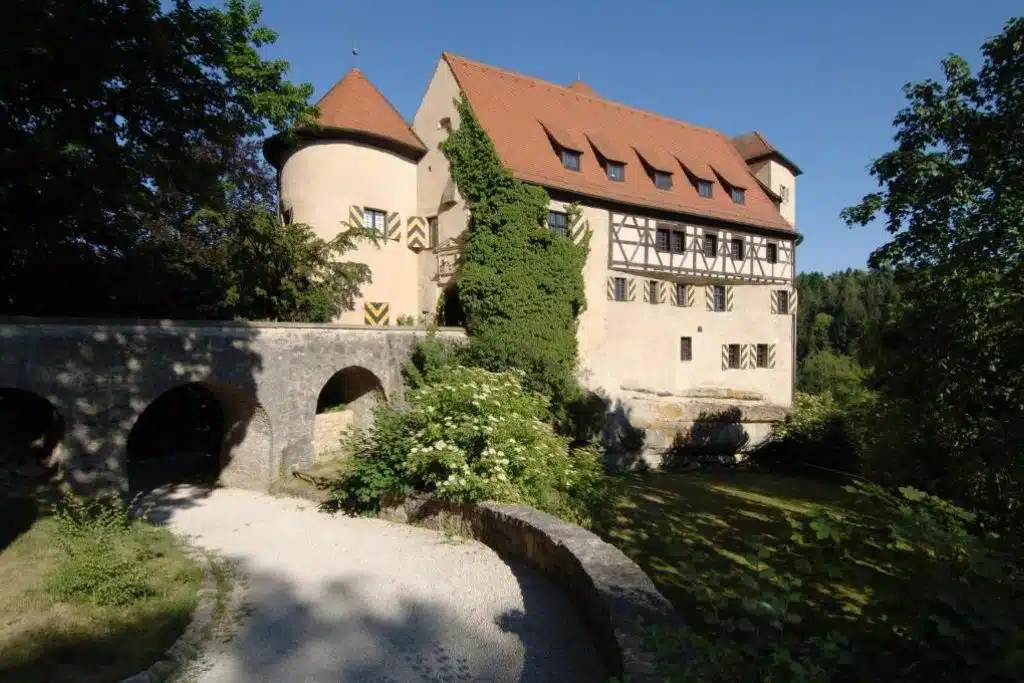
<point>521,285</point>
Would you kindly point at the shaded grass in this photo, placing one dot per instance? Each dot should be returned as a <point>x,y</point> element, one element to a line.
<point>44,640</point>
<point>688,528</point>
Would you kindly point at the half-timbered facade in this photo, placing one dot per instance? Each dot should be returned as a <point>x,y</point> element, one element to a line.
<point>689,327</point>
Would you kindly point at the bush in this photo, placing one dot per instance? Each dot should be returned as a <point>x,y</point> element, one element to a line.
<point>946,608</point>
<point>102,559</point>
<point>469,435</point>
<point>818,435</point>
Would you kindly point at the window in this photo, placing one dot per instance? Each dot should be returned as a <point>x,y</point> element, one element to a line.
<point>736,248</point>
<point>678,242</point>
<point>739,195</point>
<point>710,246</point>
<point>662,180</point>
<point>784,193</point>
<point>680,294</point>
<point>704,188</point>
<point>616,171</point>
<point>661,239</point>
<point>571,159</point>
<point>772,252</point>
<point>432,230</point>
<point>782,302</point>
<point>719,297</point>
<point>373,219</point>
<point>558,222</point>
<point>286,216</point>
<point>445,124</point>
<point>620,288</point>
<point>762,355</point>
<point>653,290</point>
<point>685,348</point>
<point>734,356</point>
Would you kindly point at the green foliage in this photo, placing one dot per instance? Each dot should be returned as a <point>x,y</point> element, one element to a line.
<point>947,607</point>
<point>837,373</point>
<point>468,435</point>
<point>820,436</point>
<point>952,197</point>
<point>101,556</point>
<point>521,285</point>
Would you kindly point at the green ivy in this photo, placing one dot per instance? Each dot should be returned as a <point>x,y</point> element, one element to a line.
<point>521,285</point>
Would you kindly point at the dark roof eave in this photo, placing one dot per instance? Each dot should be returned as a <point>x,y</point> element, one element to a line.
<point>276,146</point>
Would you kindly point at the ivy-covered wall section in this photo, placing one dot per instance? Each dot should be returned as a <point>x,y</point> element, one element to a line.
<point>521,285</point>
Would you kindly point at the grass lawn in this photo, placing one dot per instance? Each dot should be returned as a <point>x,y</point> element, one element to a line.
<point>46,641</point>
<point>662,520</point>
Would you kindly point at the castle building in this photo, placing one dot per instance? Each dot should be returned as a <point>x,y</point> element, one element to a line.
<point>690,318</point>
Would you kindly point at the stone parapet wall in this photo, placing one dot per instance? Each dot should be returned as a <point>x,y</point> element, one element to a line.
<point>327,431</point>
<point>617,601</point>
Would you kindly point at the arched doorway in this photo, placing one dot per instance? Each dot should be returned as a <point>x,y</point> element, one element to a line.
<point>201,432</point>
<point>31,432</point>
<point>347,399</point>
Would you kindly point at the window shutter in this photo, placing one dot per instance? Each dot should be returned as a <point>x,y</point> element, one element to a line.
<point>709,297</point>
<point>355,216</point>
<point>663,288</point>
<point>611,289</point>
<point>792,301</point>
<point>725,356</point>
<point>580,229</point>
<point>728,298</point>
<point>673,294</point>
<point>393,226</point>
<point>691,296</point>
<point>417,237</point>
<point>748,356</point>
<point>775,301</point>
<point>647,292</point>
<point>631,289</point>
<point>771,356</point>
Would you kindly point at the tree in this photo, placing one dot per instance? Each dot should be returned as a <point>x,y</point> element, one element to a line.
<point>952,197</point>
<point>130,184</point>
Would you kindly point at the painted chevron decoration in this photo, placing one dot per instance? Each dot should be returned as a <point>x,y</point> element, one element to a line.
<point>416,231</point>
<point>393,226</point>
<point>771,356</point>
<point>709,297</point>
<point>748,357</point>
<point>375,313</point>
<point>725,356</point>
<point>775,301</point>
<point>631,289</point>
<point>728,298</point>
<point>355,216</point>
<point>579,231</point>
<point>691,296</point>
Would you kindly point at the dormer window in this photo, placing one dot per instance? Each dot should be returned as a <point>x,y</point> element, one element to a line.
<point>662,180</point>
<point>704,188</point>
<point>616,171</point>
<point>571,159</point>
<point>739,195</point>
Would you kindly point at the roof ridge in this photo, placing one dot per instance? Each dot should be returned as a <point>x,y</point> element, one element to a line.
<point>552,84</point>
<point>355,71</point>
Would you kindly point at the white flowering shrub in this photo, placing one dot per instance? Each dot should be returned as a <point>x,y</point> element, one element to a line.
<point>471,435</point>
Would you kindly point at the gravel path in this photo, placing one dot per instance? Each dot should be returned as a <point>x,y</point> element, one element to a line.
<point>339,599</point>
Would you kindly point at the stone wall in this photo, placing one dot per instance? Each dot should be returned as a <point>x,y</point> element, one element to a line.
<point>617,601</point>
<point>327,431</point>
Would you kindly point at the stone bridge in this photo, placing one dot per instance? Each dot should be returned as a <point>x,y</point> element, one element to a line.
<point>267,378</point>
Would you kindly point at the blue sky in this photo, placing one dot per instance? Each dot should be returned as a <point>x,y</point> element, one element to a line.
<point>821,79</point>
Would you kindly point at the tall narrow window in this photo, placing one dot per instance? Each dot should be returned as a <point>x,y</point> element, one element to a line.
<point>373,219</point>
<point>571,159</point>
<point>662,180</point>
<point>734,356</point>
<point>685,348</point>
<point>661,239</point>
<point>558,222</point>
<point>719,297</point>
<point>772,252</point>
<point>784,193</point>
<point>286,216</point>
<point>710,246</point>
<point>616,171</point>
<point>680,294</point>
<point>739,196</point>
<point>782,300</point>
<point>678,241</point>
<point>736,248</point>
<point>704,188</point>
<point>620,288</point>
<point>762,355</point>
<point>653,291</point>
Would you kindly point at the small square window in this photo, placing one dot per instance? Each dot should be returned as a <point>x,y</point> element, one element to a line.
<point>704,188</point>
<point>558,222</point>
<point>710,246</point>
<point>782,301</point>
<point>620,288</point>
<point>616,171</point>
<point>680,294</point>
<point>662,180</point>
<point>686,348</point>
<point>373,219</point>
<point>739,195</point>
<point>653,291</point>
<point>772,252</point>
<point>736,248</point>
<point>661,239</point>
<point>719,297</point>
<point>571,159</point>
<point>678,242</point>
<point>762,355</point>
<point>734,356</point>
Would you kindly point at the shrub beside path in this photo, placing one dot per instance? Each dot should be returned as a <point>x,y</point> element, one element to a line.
<point>332,598</point>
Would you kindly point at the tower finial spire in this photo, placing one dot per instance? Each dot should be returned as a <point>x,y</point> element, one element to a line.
<point>355,54</point>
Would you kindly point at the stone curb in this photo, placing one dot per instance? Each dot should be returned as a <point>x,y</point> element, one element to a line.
<point>189,642</point>
<point>616,599</point>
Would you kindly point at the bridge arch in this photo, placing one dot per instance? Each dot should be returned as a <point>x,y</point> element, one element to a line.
<point>347,398</point>
<point>208,430</point>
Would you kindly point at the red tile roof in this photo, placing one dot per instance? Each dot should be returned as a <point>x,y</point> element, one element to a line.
<point>353,104</point>
<point>753,146</point>
<point>520,112</point>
